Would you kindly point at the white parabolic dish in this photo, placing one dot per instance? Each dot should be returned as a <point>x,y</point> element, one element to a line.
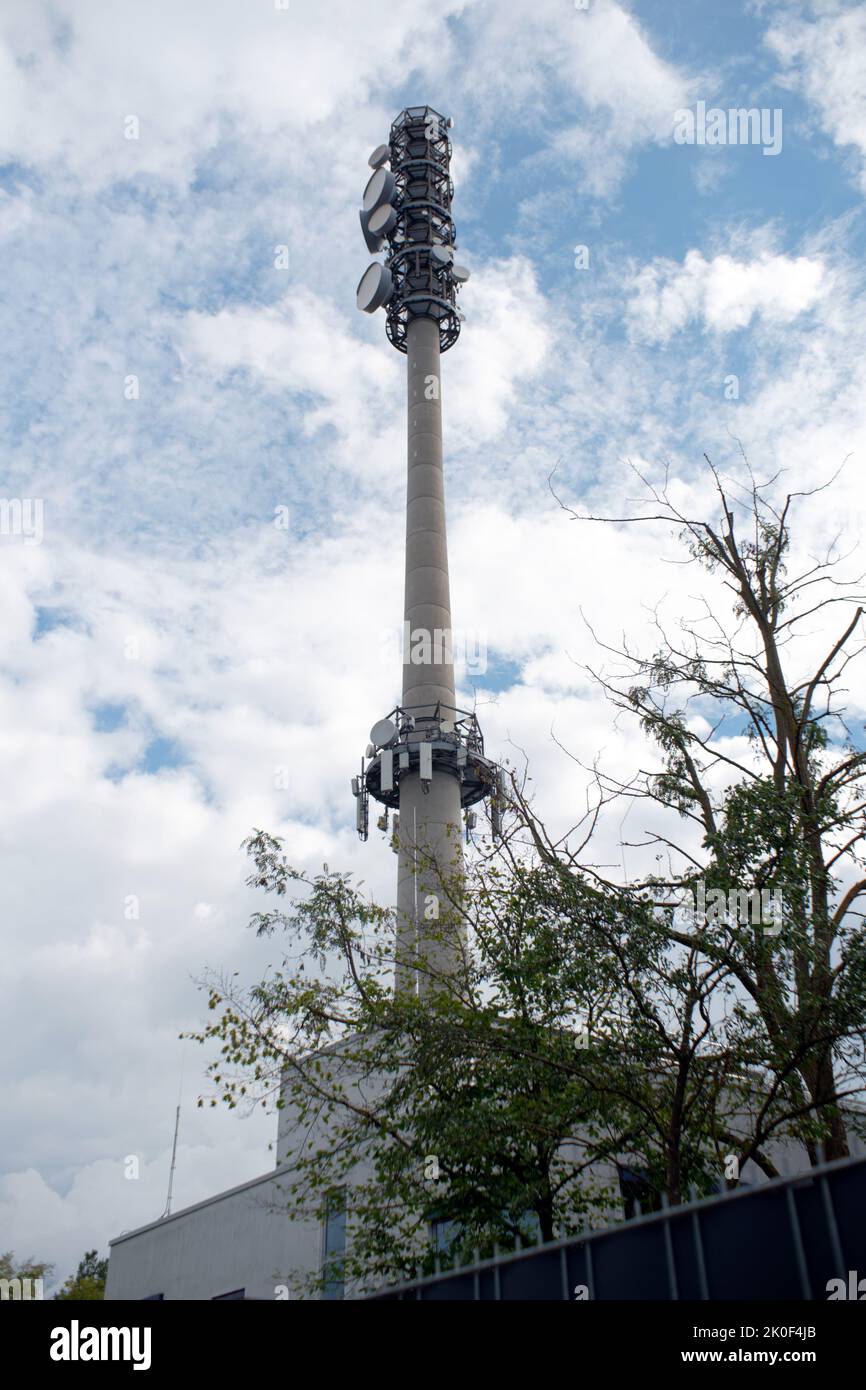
<point>374,288</point>
<point>383,732</point>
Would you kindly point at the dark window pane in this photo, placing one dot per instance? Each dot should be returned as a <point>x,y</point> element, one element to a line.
<point>334,1245</point>
<point>333,1286</point>
<point>442,1233</point>
<point>335,1223</point>
<point>635,1186</point>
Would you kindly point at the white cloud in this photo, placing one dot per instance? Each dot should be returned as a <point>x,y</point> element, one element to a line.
<point>723,294</point>
<point>304,347</point>
<point>825,59</point>
<point>68,83</point>
<point>615,93</point>
<point>99,1201</point>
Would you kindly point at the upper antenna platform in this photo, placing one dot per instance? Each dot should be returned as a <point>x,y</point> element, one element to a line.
<point>407,208</point>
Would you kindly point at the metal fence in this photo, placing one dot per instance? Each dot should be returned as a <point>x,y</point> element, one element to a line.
<point>785,1239</point>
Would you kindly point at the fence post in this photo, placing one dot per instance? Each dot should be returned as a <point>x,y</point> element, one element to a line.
<point>699,1250</point>
<point>669,1251</point>
<point>798,1244</point>
<point>832,1228</point>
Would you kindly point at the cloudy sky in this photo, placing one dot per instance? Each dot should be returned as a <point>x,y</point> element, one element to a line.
<point>176,666</point>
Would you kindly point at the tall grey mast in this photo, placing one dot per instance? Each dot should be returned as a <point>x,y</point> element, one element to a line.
<point>427,757</point>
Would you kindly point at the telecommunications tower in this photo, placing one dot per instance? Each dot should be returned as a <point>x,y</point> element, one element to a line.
<point>425,760</point>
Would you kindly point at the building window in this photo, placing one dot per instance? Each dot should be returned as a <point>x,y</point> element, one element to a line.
<point>635,1186</point>
<point>442,1233</point>
<point>530,1227</point>
<point>334,1245</point>
<point>445,1233</point>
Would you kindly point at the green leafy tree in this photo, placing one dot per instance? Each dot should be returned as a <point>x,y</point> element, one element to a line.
<point>12,1268</point>
<point>787,818</point>
<point>88,1281</point>
<point>493,1105</point>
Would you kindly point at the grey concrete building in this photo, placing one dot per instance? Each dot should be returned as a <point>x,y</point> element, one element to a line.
<point>233,1246</point>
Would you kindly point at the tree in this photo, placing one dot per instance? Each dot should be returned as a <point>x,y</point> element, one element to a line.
<point>788,817</point>
<point>495,1105</point>
<point>11,1268</point>
<point>88,1281</point>
<point>439,1106</point>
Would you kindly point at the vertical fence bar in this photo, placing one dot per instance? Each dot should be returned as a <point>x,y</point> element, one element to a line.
<point>669,1252</point>
<point>797,1237</point>
<point>832,1227</point>
<point>699,1253</point>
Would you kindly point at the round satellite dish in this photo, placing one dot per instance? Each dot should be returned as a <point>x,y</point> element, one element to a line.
<point>374,243</point>
<point>382,221</point>
<point>374,288</point>
<point>380,156</point>
<point>460,273</point>
<point>383,733</point>
<point>379,189</point>
<point>442,255</point>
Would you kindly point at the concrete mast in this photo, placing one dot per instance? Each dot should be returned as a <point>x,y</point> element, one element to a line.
<point>429,834</point>
<point>427,757</point>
